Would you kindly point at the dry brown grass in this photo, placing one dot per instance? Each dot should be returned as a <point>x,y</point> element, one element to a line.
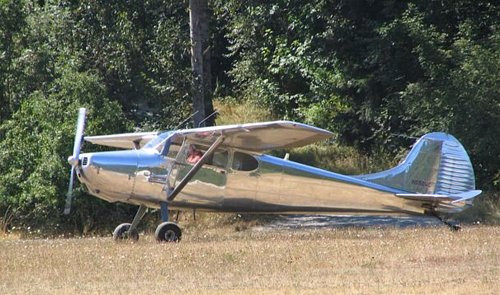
<point>244,111</point>
<point>224,261</point>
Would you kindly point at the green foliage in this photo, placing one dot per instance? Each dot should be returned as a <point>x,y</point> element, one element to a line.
<point>279,58</point>
<point>140,49</point>
<point>12,23</point>
<point>38,139</point>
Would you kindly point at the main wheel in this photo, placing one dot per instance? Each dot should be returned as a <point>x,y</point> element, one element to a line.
<point>121,233</point>
<point>168,232</point>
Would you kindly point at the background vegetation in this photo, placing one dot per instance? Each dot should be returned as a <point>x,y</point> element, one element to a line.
<point>378,73</point>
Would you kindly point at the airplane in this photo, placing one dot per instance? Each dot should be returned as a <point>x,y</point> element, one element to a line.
<point>223,168</point>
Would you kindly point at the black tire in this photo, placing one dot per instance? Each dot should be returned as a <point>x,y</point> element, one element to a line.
<point>168,232</point>
<point>121,233</point>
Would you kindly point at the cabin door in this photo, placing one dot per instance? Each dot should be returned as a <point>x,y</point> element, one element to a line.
<point>206,188</point>
<point>177,157</point>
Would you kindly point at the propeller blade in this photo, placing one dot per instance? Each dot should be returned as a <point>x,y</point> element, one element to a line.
<point>74,159</point>
<point>69,194</point>
<point>80,126</point>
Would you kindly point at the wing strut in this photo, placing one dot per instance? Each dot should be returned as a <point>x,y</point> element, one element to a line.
<point>171,194</point>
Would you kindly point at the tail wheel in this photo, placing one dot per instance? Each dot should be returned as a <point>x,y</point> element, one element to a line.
<point>168,232</point>
<point>121,233</point>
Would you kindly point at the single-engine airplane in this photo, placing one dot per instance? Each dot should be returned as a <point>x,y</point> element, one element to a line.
<point>223,168</point>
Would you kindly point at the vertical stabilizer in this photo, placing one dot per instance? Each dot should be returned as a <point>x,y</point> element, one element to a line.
<point>437,164</point>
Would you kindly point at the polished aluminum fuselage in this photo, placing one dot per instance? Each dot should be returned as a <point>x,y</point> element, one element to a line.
<point>274,185</point>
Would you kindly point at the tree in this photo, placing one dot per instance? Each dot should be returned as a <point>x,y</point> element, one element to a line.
<point>200,62</point>
<point>140,49</point>
<point>12,24</point>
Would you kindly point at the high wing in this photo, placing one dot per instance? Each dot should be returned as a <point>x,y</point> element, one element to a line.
<point>259,137</point>
<point>255,137</point>
<point>124,140</point>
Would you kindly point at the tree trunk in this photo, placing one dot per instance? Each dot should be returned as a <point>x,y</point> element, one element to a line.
<point>200,62</point>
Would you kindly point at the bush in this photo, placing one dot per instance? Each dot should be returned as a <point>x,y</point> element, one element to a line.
<point>39,138</point>
<point>232,112</point>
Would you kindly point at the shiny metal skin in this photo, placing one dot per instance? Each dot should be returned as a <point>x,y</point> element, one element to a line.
<point>244,180</point>
<point>444,167</point>
<point>280,186</point>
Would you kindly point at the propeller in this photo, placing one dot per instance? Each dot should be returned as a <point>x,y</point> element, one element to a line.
<point>73,160</point>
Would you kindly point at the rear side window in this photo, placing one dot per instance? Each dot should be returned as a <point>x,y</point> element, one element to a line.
<point>219,159</point>
<point>244,162</point>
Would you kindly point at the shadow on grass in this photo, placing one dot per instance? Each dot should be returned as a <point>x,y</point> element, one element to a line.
<point>320,221</point>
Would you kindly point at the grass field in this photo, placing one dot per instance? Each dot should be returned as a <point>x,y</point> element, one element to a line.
<point>273,261</point>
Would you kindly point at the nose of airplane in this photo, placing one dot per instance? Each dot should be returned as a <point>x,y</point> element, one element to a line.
<point>124,162</point>
<point>109,175</point>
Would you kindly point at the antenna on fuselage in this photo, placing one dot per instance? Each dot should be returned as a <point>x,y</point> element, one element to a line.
<point>208,117</point>
<point>185,120</point>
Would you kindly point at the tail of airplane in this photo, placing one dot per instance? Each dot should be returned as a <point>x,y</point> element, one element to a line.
<point>437,165</point>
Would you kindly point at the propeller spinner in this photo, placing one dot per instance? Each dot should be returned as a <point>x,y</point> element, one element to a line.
<point>73,160</point>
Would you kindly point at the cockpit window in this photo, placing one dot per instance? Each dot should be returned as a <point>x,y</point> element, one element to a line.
<point>244,162</point>
<point>172,150</point>
<point>195,152</point>
<point>158,142</point>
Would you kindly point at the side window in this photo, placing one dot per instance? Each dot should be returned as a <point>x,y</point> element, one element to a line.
<point>244,162</point>
<point>219,159</point>
<point>195,152</point>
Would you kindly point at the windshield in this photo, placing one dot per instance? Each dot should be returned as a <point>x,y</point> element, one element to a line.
<point>158,141</point>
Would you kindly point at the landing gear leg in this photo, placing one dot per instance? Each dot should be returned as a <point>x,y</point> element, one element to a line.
<point>164,211</point>
<point>126,231</point>
<point>167,231</point>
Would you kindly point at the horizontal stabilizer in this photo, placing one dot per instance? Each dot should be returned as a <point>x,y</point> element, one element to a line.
<point>453,198</point>
<point>467,195</point>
